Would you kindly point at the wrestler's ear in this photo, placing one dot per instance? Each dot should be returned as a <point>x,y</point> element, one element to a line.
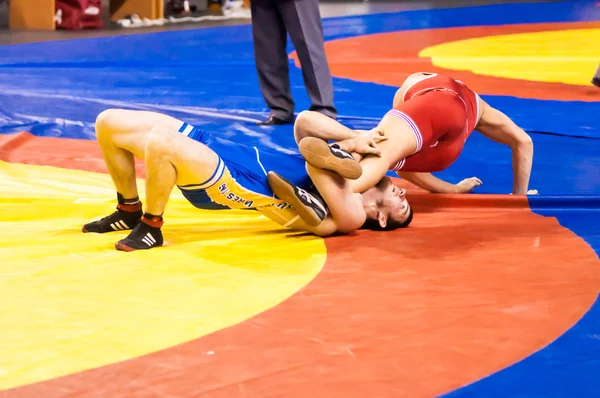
<point>382,219</point>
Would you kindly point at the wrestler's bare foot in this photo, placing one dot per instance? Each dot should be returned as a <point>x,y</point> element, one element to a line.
<point>309,207</point>
<point>323,156</point>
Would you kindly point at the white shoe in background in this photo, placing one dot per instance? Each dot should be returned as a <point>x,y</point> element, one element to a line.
<point>235,9</point>
<point>92,11</point>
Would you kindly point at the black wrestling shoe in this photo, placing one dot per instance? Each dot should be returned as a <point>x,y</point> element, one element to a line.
<point>596,81</point>
<point>275,121</point>
<point>120,220</point>
<point>309,207</point>
<point>143,237</point>
<point>329,157</point>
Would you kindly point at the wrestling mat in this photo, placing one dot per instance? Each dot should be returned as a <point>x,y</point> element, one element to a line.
<point>484,295</point>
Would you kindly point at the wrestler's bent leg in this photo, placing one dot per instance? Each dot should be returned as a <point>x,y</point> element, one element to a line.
<point>171,158</point>
<point>122,134</point>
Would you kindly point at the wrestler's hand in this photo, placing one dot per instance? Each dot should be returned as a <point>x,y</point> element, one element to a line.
<point>365,143</point>
<point>468,184</point>
<point>378,134</point>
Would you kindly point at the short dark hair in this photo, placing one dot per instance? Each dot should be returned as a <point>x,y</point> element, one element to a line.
<point>373,224</point>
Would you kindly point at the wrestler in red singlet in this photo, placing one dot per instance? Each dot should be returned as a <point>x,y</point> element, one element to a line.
<point>442,112</point>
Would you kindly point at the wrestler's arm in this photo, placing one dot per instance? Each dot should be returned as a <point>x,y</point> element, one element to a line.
<point>345,206</point>
<point>374,169</point>
<point>326,228</point>
<point>428,182</point>
<point>315,124</point>
<point>433,184</point>
<point>498,127</point>
<point>349,220</point>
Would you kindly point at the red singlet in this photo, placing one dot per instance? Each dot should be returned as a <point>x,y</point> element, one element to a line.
<point>442,113</point>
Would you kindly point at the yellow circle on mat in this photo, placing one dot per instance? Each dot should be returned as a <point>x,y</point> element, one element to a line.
<point>565,56</point>
<point>70,301</point>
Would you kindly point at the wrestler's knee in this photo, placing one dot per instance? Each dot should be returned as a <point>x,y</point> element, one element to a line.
<point>300,121</point>
<point>303,120</point>
<point>160,141</point>
<point>106,123</point>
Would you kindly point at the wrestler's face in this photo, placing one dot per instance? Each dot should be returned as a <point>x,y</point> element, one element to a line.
<point>394,205</point>
<point>386,202</point>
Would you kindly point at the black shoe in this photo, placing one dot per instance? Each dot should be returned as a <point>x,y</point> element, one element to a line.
<point>120,220</point>
<point>596,81</point>
<point>310,208</point>
<point>323,156</point>
<point>143,237</point>
<point>272,121</point>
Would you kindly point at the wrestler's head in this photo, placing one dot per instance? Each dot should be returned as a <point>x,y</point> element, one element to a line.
<point>386,207</point>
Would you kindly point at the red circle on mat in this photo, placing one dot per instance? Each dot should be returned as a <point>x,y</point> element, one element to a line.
<point>475,285</point>
<point>351,58</point>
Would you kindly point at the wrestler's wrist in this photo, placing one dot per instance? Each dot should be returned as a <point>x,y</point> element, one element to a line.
<point>348,145</point>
